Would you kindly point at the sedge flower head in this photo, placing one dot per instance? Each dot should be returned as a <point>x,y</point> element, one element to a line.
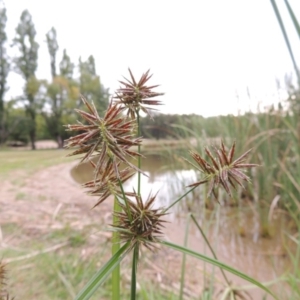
<point>135,95</point>
<point>3,293</point>
<point>108,138</point>
<point>108,183</point>
<point>222,170</point>
<point>143,225</point>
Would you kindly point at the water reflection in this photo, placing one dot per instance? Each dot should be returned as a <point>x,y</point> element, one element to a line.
<point>165,177</point>
<point>169,185</point>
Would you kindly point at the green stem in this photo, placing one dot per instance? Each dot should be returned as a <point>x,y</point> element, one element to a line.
<point>125,200</point>
<point>287,41</point>
<point>166,209</point>
<point>219,264</point>
<point>210,247</point>
<point>115,280</point>
<point>135,258</point>
<point>184,258</point>
<point>100,277</point>
<point>139,151</point>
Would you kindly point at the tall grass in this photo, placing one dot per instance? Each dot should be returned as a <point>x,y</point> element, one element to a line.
<point>275,140</point>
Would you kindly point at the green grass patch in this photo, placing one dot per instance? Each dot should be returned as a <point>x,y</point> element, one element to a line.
<point>30,161</point>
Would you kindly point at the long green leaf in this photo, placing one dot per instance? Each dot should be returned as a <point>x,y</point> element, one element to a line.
<point>183,268</point>
<point>115,277</point>
<point>90,288</point>
<point>209,246</point>
<point>293,17</point>
<point>179,199</point>
<point>218,264</point>
<point>278,16</point>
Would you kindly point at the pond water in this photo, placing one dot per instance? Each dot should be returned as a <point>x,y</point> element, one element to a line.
<point>243,235</point>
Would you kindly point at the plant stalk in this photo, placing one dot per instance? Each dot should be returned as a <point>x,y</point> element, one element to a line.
<point>115,280</point>
<point>125,200</point>
<point>139,152</point>
<point>186,236</point>
<point>135,258</point>
<point>210,247</point>
<point>180,198</point>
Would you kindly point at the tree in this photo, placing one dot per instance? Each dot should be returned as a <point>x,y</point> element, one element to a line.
<point>90,85</point>
<point>4,69</point>
<point>26,65</point>
<point>61,93</point>
<point>52,48</point>
<point>61,97</point>
<point>17,122</point>
<point>66,66</point>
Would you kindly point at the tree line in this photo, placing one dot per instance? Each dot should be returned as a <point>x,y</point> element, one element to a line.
<point>45,105</point>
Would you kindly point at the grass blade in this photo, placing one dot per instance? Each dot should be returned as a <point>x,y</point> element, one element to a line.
<point>186,235</point>
<point>218,264</point>
<point>278,16</point>
<point>102,274</point>
<point>115,247</point>
<point>293,17</point>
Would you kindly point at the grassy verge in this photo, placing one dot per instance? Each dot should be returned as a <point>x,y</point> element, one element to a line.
<point>29,161</point>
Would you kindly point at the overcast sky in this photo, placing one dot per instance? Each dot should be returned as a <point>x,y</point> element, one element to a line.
<point>204,54</point>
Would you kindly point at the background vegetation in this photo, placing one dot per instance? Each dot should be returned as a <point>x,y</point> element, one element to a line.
<point>273,133</point>
<point>44,106</point>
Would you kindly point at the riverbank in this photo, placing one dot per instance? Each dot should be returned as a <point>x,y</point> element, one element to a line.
<point>47,220</point>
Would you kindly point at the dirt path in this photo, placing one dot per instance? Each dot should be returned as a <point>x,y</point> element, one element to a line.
<point>49,199</point>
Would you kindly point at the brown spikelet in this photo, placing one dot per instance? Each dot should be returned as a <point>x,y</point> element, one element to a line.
<point>135,95</point>
<point>3,292</point>
<point>222,170</point>
<point>143,224</point>
<point>108,183</point>
<point>108,139</point>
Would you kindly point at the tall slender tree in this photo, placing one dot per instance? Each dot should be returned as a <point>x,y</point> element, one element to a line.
<point>52,119</point>
<point>66,67</point>
<point>26,65</point>
<point>62,92</point>
<point>90,84</point>
<point>4,69</point>
<point>52,48</point>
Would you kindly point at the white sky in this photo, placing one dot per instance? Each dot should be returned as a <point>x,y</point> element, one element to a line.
<point>202,53</point>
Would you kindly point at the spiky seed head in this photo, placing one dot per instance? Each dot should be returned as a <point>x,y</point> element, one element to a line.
<point>108,182</point>
<point>108,139</point>
<point>135,95</point>
<point>3,292</point>
<point>2,279</point>
<point>222,169</point>
<point>143,225</point>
